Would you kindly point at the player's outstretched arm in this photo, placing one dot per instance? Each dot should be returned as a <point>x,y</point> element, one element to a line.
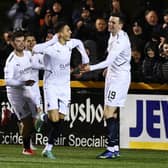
<point>39,48</point>
<point>80,47</point>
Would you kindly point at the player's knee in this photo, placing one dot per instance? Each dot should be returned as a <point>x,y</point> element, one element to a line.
<point>107,115</point>
<point>53,118</point>
<point>109,112</point>
<point>53,115</point>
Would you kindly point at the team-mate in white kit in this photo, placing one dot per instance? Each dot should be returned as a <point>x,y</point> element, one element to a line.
<point>18,73</point>
<point>57,80</point>
<point>37,65</point>
<point>117,81</point>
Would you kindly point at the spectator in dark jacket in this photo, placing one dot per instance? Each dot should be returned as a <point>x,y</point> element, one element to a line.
<point>136,66</point>
<point>162,66</point>
<point>137,36</point>
<point>151,24</point>
<point>5,49</point>
<point>100,35</point>
<point>149,62</point>
<point>84,25</point>
<point>57,12</point>
<point>21,11</point>
<point>164,27</point>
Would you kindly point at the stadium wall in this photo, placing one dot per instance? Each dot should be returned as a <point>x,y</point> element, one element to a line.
<point>143,121</point>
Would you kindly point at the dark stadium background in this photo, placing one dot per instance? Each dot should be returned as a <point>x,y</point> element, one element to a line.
<point>129,6</point>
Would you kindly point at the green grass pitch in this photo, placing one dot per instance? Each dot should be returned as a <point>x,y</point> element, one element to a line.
<point>78,157</point>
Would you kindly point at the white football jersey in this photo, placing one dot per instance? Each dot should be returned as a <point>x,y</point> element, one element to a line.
<point>39,48</point>
<point>57,61</point>
<point>18,70</point>
<point>118,69</point>
<point>37,64</point>
<point>119,54</point>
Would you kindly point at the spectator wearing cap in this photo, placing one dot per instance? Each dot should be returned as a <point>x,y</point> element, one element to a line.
<point>91,5</point>
<point>84,25</point>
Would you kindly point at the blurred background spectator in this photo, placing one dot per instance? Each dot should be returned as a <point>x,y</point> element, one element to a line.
<point>21,13</point>
<point>149,63</point>
<point>161,69</point>
<point>136,34</point>
<point>136,65</point>
<point>100,35</point>
<point>5,49</point>
<point>83,26</point>
<point>97,75</point>
<point>146,22</point>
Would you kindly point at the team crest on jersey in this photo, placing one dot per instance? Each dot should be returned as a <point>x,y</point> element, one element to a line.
<point>17,64</point>
<point>48,105</point>
<point>63,66</point>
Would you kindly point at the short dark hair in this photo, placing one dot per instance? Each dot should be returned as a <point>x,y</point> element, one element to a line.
<point>17,34</point>
<point>119,15</point>
<point>59,26</point>
<point>29,34</point>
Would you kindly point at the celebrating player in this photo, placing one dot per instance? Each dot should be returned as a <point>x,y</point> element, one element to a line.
<point>57,80</point>
<point>117,81</point>
<point>18,70</point>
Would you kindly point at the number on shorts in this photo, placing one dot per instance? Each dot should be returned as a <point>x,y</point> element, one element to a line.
<point>111,95</point>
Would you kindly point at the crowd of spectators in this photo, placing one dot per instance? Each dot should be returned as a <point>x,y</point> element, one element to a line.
<point>147,29</point>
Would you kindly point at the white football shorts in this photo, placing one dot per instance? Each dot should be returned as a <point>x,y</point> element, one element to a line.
<point>57,97</point>
<point>116,90</point>
<point>22,105</point>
